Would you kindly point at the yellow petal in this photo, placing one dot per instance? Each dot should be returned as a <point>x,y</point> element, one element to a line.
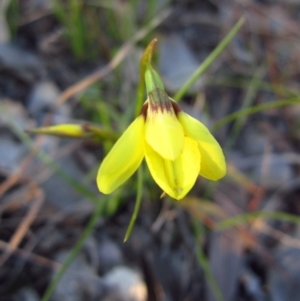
<point>164,133</point>
<point>123,159</point>
<point>176,177</point>
<point>213,165</point>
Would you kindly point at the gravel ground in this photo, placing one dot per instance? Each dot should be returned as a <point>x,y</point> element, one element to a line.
<point>176,249</point>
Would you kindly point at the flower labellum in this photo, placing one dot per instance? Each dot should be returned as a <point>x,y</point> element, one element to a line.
<point>177,147</point>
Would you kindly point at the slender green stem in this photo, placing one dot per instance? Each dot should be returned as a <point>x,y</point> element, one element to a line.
<point>47,160</point>
<point>238,220</point>
<point>140,96</point>
<point>198,228</point>
<point>255,109</point>
<point>137,203</point>
<point>209,60</point>
<point>74,252</point>
<point>145,60</point>
<point>247,102</point>
<point>244,83</point>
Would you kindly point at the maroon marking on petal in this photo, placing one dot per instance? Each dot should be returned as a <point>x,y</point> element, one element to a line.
<point>86,127</point>
<point>159,101</point>
<point>176,107</point>
<point>144,110</point>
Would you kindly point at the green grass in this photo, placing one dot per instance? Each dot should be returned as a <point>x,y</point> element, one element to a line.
<point>96,28</point>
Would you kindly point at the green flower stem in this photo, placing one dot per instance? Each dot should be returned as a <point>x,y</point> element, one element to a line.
<point>241,219</point>
<point>244,83</point>
<point>247,102</point>
<point>137,203</point>
<point>140,97</point>
<point>47,160</point>
<point>203,261</point>
<point>209,60</point>
<point>145,61</point>
<point>255,109</point>
<point>101,133</point>
<point>76,249</point>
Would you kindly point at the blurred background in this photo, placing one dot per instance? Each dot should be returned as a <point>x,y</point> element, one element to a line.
<point>78,60</point>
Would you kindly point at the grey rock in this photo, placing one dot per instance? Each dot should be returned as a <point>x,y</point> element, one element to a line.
<point>128,283</point>
<point>226,249</point>
<point>240,50</point>
<point>253,141</point>
<point>110,255</point>
<point>21,63</point>
<point>42,96</point>
<point>273,171</point>
<point>270,171</point>
<point>252,285</point>
<point>13,113</point>
<point>284,278</point>
<point>26,294</point>
<point>11,151</point>
<point>57,190</point>
<point>4,31</point>
<point>35,6</point>
<point>176,63</point>
<point>79,283</point>
<point>42,99</point>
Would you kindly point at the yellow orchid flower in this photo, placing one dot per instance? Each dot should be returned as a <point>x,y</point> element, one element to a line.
<point>176,146</point>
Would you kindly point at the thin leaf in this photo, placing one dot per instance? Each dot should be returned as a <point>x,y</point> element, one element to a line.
<point>75,250</point>
<point>209,60</point>
<point>249,217</point>
<point>137,203</point>
<point>255,109</point>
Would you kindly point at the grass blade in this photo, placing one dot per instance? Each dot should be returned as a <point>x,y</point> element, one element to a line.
<point>209,60</point>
